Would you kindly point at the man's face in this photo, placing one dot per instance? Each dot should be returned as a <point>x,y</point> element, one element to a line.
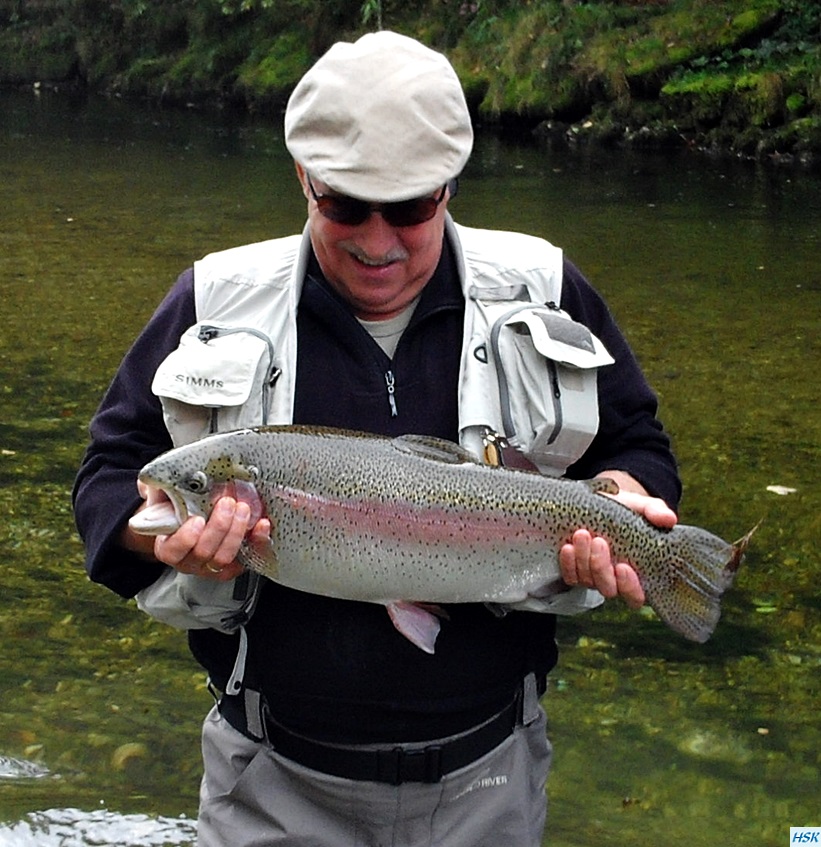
<point>378,268</point>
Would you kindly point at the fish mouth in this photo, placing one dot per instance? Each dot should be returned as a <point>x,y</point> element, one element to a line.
<point>181,510</point>
<point>166,511</point>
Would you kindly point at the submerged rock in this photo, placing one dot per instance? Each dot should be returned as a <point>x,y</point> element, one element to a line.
<point>11,768</point>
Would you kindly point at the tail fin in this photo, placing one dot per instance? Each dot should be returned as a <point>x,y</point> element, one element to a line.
<point>699,567</point>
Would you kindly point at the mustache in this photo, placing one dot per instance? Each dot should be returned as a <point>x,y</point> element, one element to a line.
<point>395,254</point>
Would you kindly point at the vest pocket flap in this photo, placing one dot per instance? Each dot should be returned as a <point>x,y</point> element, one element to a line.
<point>564,341</point>
<point>212,369</point>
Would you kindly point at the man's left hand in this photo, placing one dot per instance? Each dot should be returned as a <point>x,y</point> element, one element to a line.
<point>587,560</point>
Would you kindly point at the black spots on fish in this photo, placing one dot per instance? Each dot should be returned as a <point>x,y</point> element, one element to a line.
<point>226,468</point>
<point>436,568</point>
<point>220,468</point>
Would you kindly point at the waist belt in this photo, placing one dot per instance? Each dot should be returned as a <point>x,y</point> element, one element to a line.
<point>397,764</point>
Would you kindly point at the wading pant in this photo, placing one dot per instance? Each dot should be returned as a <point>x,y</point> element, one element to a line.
<point>251,796</point>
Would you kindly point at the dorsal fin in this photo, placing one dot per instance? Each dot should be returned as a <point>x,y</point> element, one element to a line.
<point>435,449</point>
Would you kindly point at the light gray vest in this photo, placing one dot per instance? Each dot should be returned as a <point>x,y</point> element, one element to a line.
<point>528,371</point>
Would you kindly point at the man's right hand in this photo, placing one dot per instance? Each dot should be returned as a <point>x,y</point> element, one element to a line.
<point>207,549</point>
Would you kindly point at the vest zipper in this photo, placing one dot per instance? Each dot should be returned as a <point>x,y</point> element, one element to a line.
<point>504,393</point>
<point>509,430</point>
<point>390,382</point>
<point>208,332</point>
<point>557,400</point>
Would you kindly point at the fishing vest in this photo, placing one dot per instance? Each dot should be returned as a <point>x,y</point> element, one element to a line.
<point>528,374</point>
<point>528,371</point>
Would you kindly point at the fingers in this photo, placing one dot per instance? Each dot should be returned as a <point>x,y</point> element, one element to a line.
<point>587,561</point>
<point>659,513</point>
<point>654,509</point>
<point>208,548</point>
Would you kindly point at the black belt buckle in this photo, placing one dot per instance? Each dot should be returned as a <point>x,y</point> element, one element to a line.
<point>397,765</point>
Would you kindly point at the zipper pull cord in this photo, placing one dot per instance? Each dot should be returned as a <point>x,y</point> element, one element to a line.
<point>390,381</point>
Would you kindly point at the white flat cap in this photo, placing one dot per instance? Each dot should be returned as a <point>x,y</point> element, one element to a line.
<point>383,119</point>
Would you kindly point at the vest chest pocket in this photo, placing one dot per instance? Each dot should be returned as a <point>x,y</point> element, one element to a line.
<point>544,366</point>
<point>219,378</point>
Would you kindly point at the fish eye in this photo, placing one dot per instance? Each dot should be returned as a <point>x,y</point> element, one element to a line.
<point>196,483</point>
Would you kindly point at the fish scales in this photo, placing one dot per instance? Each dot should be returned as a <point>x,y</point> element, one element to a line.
<point>405,540</point>
<point>394,524</point>
<point>415,519</point>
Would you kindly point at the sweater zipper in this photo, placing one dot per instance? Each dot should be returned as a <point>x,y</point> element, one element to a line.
<point>390,382</point>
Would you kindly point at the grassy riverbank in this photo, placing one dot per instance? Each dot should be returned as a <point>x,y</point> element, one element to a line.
<point>739,76</point>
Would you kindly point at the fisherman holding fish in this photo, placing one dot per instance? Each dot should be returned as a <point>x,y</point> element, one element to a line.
<point>384,316</point>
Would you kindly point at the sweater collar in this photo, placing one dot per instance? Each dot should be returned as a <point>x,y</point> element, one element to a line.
<point>443,291</point>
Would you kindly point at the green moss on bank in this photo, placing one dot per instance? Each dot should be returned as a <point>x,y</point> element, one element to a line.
<point>742,75</point>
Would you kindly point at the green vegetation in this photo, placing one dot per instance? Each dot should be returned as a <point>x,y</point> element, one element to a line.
<point>739,75</point>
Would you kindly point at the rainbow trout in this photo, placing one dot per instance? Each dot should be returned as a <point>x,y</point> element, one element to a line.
<point>414,521</point>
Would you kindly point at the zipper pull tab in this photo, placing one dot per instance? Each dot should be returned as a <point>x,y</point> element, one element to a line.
<point>390,381</point>
<point>207,333</point>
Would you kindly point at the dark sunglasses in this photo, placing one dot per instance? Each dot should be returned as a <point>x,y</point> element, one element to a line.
<point>351,212</point>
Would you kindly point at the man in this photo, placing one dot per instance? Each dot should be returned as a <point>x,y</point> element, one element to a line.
<point>331,728</point>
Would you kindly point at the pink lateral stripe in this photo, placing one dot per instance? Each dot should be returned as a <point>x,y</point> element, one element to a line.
<point>405,523</point>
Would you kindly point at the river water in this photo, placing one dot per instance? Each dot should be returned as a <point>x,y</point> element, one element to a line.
<point>712,268</point>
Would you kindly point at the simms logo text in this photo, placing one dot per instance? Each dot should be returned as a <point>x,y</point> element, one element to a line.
<point>199,381</point>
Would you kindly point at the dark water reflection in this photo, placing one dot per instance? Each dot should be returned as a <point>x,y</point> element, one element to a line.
<point>713,271</point>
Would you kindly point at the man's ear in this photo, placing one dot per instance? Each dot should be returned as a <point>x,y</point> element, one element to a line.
<point>303,181</point>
